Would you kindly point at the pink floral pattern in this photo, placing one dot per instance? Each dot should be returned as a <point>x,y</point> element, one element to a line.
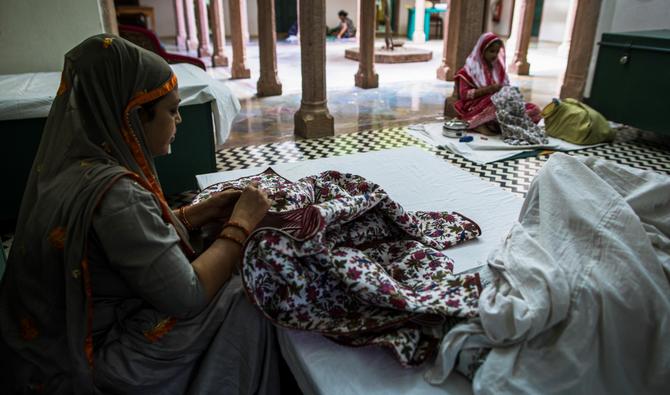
<point>337,256</point>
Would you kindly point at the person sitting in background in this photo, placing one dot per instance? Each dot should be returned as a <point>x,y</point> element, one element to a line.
<point>483,76</point>
<point>345,29</point>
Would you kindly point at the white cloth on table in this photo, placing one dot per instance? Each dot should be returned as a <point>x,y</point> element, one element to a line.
<point>419,181</point>
<point>30,95</point>
<point>485,149</point>
<point>580,300</point>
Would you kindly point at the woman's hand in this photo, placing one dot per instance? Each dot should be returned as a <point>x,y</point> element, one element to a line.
<point>218,207</point>
<point>495,88</point>
<point>251,207</point>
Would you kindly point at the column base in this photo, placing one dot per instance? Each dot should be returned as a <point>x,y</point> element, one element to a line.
<point>573,88</point>
<point>520,68</point>
<point>445,73</point>
<point>180,41</point>
<point>220,60</point>
<point>419,37</point>
<point>204,52</point>
<point>366,80</point>
<point>313,121</point>
<point>192,45</point>
<point>240,72</point>
<point>266,87</point>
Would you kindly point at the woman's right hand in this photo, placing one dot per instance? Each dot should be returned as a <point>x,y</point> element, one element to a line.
<point>251,207</point>
<point>495,88</point>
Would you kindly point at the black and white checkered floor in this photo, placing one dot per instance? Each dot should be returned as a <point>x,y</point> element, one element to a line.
<point>513,175</point>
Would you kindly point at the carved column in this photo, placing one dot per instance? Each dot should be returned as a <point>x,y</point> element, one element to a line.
<point>581,49</point>
<point>358,23</point>
<point>366,77</point>
<point>313,119</point>
<point>419,36</point>
<point>465,23</point>
<point>239,68</point>
<point>245,21</point>
<point>218,34</point>
<point>564,48</point>
<point>179,24</point>
<point>108,13</point>
<point>524,17</point>
<point>191,30</point>
<point>268,83</point>
<point>203,28</point>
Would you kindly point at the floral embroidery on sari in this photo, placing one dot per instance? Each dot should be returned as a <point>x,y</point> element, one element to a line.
<point>57,238</point>
<point>28,329</point>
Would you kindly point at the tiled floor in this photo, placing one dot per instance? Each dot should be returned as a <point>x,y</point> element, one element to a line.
<point>407,93</point>
<point>632,147</point>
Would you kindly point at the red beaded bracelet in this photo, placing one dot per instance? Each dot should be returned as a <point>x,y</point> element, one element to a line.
<point>182,217</point>
<point>237,225</point>
<point>231,238</point>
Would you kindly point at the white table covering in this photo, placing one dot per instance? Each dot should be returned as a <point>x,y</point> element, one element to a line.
<point>30,95</point>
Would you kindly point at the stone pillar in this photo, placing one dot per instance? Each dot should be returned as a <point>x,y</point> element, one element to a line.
<point>358,22</point>
<point>239,68</point>
<point>465,23</point>
<point>245,21</point>
<point>564,48</point>
<point>581,49</point>
<point>180,26</point>
<point>268,83</point>
<point>203,28</point>
<point>191,30</point>
<point>419,36</point>
<point>313,119</point>
<point>524,17</point>
<point>366,77</point>
<point>218,34</point>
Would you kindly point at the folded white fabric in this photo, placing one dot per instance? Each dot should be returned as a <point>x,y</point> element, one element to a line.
<point>580,300</point>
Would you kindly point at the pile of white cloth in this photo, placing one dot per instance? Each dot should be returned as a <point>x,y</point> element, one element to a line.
<point>580,298</point>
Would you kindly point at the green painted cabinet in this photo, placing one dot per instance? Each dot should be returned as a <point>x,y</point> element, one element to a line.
<point>193,152</point>
<point>632,79</point>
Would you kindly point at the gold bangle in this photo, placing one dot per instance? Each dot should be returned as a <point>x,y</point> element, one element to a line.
<point>237,225</point>
<point>182,217</point>
<point>231,238</point>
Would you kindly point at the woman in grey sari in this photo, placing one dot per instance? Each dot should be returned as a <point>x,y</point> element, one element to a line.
<point>103,293</point>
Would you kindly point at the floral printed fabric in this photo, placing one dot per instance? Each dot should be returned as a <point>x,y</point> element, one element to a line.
<point>515,124</point>
<point>337,256</point>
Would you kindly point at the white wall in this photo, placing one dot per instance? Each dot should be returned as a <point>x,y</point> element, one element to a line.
<point>165,18</point>
<point>36,34</point>
<point>618,16</point>
<point>554,17</point>
<point>504,27</point>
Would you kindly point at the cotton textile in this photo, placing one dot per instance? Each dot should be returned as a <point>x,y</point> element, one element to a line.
<point>580,299</point>
<point>337,256</point>
<point>516,127</point>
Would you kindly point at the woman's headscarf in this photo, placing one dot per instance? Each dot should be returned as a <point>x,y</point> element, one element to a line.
<point>92,138</point>
<point>476,70</point>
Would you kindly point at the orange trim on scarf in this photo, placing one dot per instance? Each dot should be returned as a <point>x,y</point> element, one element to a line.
<point>151,183</point>
<point>62,88</point>
<point>131,138</point>
<point>161,329</point>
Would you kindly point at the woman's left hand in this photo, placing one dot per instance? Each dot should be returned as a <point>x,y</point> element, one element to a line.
<point>218,207</point>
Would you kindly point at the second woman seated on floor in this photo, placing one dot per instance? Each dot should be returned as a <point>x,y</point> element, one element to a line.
<point>483,76</point>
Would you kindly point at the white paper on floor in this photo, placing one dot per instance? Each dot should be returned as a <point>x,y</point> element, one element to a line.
<point>484,149</point>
